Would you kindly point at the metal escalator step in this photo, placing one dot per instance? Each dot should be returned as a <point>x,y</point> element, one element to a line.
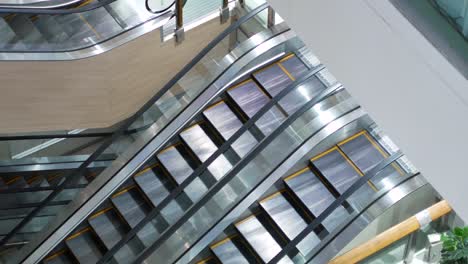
<point>25,30</point>
<point>175,164</point>
<point>150,183</point>
<point>315,196</point>
<point>179,169</point>
<point>109,227</point>
<point>293,65</point>
<point>133,208</point>
<point>50,29</point>
<point>273,78</point>
<point>259,239</point>
<point>296,98</point>
<point>60,257</point>
<point>336,168</point>
<point>226,123</point>
<point>6,33</point>
<point>228,253</point>
<point>250,98</point>
<point>201,144</point>
<point>365,152</point>
<point>37,181</point>
<point>288,220</point>
<point>84,247</point>
<point>16,182</point>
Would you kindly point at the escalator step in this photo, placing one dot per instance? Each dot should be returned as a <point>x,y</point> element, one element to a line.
<point>273,78</point>
<point>259,239</point>
<point>293,65</point>
<point>201,144</point>
<point>228,253</point>
<point>16,182</point>
<point>365,152</point>
<point>315,196</point>
<point>175,164</point>
<point>299,96</point>
<point>179,169</point>
<point>84,246</point>
<point>60,257</point>
<point>336,168</point>
<point>227,123</point>
<point>288,220</point>
<point>151,185</point>
<point>133,208</point>
<point>250,98</point>
<point>109,227</point>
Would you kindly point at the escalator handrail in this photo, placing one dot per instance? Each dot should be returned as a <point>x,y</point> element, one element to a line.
<point>334,205</point>
<point>236,169</point>
<point>127,123</point>
<point>225,146</point>
<point>52,11</point>
<point>392,235</point>
<point>41,5</point>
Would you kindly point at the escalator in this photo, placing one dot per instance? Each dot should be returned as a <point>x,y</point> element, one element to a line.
<point>174,164</point>
<point>79,26</point>
<point>252,153</point>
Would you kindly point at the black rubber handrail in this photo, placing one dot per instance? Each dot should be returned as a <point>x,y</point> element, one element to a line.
<point>127,123</point>
<point>38,189</point>
<point>233,172</point>
<point>195,174</point>
<point>334,205</point>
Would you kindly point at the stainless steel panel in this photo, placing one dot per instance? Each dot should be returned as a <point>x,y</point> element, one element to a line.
<point>250,99</point>
<point>258,237</point>
<point>273,79</point>
<point>336,169</point>
<point>315,196</point>
<point>228,253</point>
<point>227,123</point>
<point>50,28</point>
<point>288,220</point>
<point>84,247</point>
<point>109,227</point>
<point>294,66</point>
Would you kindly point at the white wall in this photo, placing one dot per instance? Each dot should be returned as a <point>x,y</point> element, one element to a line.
<point>408,87</point>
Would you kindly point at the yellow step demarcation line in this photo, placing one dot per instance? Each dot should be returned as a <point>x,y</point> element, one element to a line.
<point>124,191</point>
<point>240,84</point>
<point>219,243</point>
<point>146,169</point>
<point>204,261</point>
<point>101,212</point>
<point>297,173</point>
<point>33,179</point>
<point>56,254</point>
<point>12,180</point>
<point>79,233</point>
<point>271,196</point>
<point>215,104</point>
<point>287,57</point>
<point>246,219</point>
<point>286,72</point>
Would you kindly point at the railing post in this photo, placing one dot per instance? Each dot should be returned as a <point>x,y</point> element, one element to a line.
<point>179,31</point>
<point>271,17</point>
<point>224,12</point>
